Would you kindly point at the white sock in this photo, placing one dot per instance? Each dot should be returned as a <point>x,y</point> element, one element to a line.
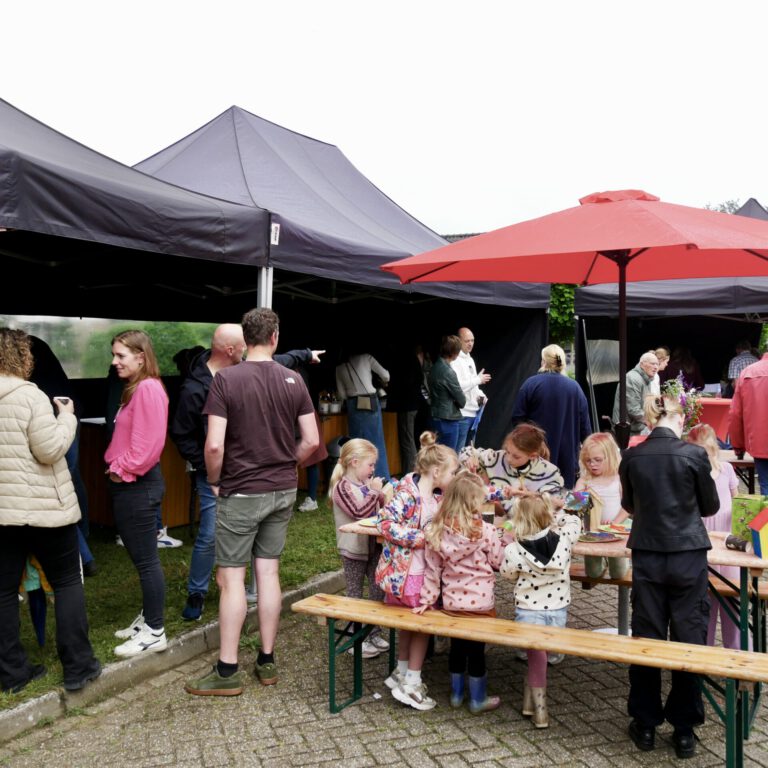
<point>402,666</point>
<point>413,677</point>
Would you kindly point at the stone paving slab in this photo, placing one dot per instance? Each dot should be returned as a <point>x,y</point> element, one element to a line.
<point>155,723</point>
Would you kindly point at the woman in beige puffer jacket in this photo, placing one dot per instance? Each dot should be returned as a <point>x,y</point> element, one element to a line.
<point>38,512</point>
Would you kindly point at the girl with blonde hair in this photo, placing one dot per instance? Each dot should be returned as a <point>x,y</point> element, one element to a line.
<point>538,563</point>
<point>401,568</point>
<point>727,485</point>
<point>462,554</point>
<point>356,495</point>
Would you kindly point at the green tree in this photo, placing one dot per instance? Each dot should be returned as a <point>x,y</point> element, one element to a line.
<point>561,315</point>
<point>729,206</point>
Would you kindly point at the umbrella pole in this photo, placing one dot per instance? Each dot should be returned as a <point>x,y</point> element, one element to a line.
<point>622,428</point>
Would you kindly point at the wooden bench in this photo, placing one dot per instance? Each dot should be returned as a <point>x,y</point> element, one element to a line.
<point>741,670</point>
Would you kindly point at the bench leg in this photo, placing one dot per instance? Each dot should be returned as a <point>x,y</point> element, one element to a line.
<point>354,633</point>
<point>734,725</point>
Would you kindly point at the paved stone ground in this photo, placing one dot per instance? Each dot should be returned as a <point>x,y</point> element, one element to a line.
<point>157,723</point>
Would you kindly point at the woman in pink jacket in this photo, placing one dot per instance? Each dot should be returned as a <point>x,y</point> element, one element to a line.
<point>136,483</point>
<point>462,554</point>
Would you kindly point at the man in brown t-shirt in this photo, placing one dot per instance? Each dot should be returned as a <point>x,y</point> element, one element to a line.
<point>251,455</point>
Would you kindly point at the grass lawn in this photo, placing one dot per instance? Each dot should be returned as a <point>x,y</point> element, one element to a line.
<point>113,596</point>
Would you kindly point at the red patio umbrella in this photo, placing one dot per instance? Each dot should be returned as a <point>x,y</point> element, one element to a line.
<point>612,237</point>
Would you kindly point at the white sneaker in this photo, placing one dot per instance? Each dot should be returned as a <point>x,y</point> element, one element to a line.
<point>369,650</point>
<point>414,696</point>
<point>146,640</point>
<point>131,630</point>
<point>251,597</point>
<point>379,641</point>
<point>554,658</point>
<point>394,680</point>
<point>164,541</point>
<point>308,505</point>
<point>119,541</point>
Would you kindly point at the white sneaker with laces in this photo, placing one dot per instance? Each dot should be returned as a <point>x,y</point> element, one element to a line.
<point>308,505</point>
<point>395,679</point>
<point>379,641</point>
<point>131,629</point>
<point>414,696</point>
<point>119,541</point>
<point>369,650</point>
<point>164,541</point>
<point>146,640</point>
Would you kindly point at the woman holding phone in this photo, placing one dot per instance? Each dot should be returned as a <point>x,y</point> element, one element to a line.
<point>136,483</point>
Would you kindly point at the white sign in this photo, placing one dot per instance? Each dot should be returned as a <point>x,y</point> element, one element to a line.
<point>275,236</point>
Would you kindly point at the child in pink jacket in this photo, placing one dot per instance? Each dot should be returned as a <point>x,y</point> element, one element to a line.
<point>462,553</point>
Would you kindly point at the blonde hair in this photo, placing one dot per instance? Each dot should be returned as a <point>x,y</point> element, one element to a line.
<point>657,407</point>
<point>533,513</point>
<point>704,435</point>
<point>432,454</point>
<point>662,353</point>
<point>552,359</point>
<point>139,343</point>
<point>459,508</point>
<point>610,450</point>
<point>529,439</point>
<point>357,448</point>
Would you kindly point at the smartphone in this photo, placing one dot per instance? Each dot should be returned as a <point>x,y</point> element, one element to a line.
<point>63,400</point>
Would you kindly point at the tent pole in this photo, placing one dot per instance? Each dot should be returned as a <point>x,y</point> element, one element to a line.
<point>592,402</point>
<point>264,289</point>
<point>622,428</point>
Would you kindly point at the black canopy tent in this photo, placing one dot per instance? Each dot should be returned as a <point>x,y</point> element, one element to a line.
<point>77,229</point>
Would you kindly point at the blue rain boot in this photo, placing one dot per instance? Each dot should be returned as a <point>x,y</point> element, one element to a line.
<point>479,701</point>
<point>457,689</point>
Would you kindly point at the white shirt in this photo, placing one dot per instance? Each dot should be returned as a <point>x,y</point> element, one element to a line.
<point>469,381</point>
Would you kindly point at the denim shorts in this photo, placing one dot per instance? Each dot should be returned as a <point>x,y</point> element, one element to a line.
<point>556,618</point>
<point>252,525</point>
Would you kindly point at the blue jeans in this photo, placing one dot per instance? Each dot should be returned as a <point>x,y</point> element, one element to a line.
<point>368,425</point>
<point>464,426</point>
<point>761,467</point>
<point>204,551</point>
<point>447,432</point>
<point>134,506</point>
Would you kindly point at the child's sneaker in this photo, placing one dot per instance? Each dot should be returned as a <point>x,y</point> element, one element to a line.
<point>164,541</point>
<point>146,640</point>
<point>379,642</point>
<point>308,505</point>
<point>414,696</point>
<point>395,679</point>
<point>369,650</point>
<point>554,658</point>
<point>131,629</point>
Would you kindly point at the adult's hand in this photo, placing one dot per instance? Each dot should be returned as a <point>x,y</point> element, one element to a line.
<point>484,377</point>
<point>64,407</point>
<point>316,355</point>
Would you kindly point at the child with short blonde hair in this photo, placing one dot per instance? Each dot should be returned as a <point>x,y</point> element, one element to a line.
<point>461,556</point>
<point>538,563</point>
<point>356,495</point>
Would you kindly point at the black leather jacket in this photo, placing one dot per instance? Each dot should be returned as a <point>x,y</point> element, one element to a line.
<point>667,488</point>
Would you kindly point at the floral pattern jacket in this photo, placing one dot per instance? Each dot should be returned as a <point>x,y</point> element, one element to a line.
<point>400,525</point>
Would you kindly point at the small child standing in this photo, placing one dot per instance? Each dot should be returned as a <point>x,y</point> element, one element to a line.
<point>727,485</point>
<point>538,562</point>
<point>356,494</point>
<point>400,572</point>
<point>461,555</point>
<point>599,461</point>
<point>520,467</point>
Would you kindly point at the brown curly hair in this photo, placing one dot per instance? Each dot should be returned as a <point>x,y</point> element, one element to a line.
<point>15,353</point>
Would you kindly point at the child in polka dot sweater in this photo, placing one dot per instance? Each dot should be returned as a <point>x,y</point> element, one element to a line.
<point>462,554</point>
<point>538,562</point>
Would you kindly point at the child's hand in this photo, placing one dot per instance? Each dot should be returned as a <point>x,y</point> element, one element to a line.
<point>420,608</point>
<point>377,483</point>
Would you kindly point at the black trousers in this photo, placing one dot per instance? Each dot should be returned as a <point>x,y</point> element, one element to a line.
<point>56,550</point>
<point>669,599</point>
<point>466,656</point>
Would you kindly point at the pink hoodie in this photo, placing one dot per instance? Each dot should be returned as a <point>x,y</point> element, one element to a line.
<point>463,569</point>
<point>139,436</point>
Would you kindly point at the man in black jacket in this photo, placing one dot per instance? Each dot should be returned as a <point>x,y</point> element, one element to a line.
<point>188,431</point>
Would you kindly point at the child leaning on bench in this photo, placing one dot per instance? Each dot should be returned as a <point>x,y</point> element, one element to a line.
<point>538,562</point>
<point>400,572</point>
<point>356,495</point>
<point>462,554</point>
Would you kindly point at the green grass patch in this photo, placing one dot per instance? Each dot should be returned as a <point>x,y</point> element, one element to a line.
<point>113,596</point>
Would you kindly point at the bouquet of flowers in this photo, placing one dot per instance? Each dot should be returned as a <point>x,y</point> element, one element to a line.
<point>690,399</point>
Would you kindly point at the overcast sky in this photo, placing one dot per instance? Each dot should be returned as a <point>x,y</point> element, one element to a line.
<point>471,116</point>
